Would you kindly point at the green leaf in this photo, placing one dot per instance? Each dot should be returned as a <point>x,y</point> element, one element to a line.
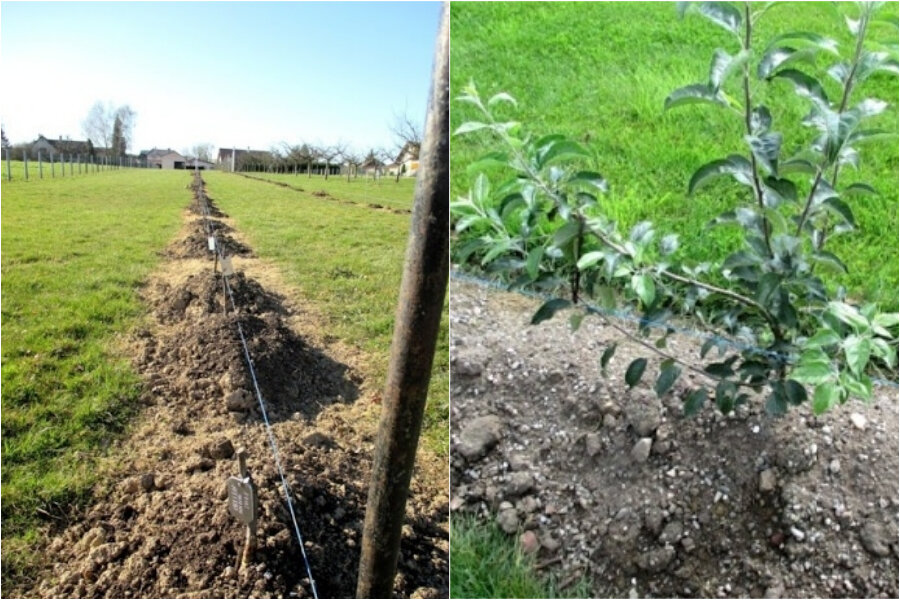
<point>725,392</point>
<point>720,369</point>
<point>813,373</point>
<point>887,320</point>
<point>643,286</point>
<point>735,165</point>
<point>823,337</point>
<point>807,38</point>
<point>666,379</point>
<point>591,178</point>
<point>760,120</point>
<point>722,14</point>
<point>695,401</point>
<point>724,66</point>
<point>502,97</point>
<point>858,388</point>
<point>590,259</point>
<point>492,159</point>
<point>668,244</point>
<point>798,165</point>
<point>607,297</point>
<point>561,149</point>
<point>575,321</point>
<point>635,371</point>
<point>827,258</point>
<point>564,234</point>
<point>857,351</point>
<point>825,397</point>
<point>470,126</point>
<point>776,404</point>
<point>804,85</point>
<point>766,149</point>
<point>794,392</point>
<point>533,263</point>
<point>860,189</point>
<point>849,315</point>
<point>840,208</point>
<point>694,94</point>
<point>548,309</point>
<point>607,355</point>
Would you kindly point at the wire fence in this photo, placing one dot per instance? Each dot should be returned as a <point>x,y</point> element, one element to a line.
<point>630,317</point>
<point>60,164</point>
<point>219,255</point>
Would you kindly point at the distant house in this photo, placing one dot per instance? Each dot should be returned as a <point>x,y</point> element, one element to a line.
<point>201,165</point>
<point>407,161</point>
<point>373,167</point>
<point>164,159</point>
<point>64,146</point>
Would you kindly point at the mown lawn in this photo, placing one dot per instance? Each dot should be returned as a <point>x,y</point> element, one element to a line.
<point>488,564</point>
<point>346,259</point>
<point>600,71</point>
<point>384,191</point>
<point>74,252</point>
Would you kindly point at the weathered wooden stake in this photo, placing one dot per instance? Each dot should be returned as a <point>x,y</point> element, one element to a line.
<point>8,167</point>
<point>25,158</point>
<point>40,165</point>
<point>415,335</point>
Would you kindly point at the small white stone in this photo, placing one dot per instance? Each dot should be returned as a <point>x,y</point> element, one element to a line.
<point>858,420</point>
<point>798,535</point>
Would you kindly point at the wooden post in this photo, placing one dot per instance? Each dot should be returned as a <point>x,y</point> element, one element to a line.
<point>25,158</point>
<point>40,165</point>
<point>8,167</point>
<point>71,166</point>
<point>52,167</point>
<point>415,336</point>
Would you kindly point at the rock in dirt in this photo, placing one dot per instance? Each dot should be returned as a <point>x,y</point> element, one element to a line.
<point>508,519</point>
<point>774,591</point>
<point>425,593</point>
<point>238,401</point>
<point>221,450</point>
<point>641,451</point>
<point>858,420</point>
<point>200,463</point>
<point>767,481</point>
<point>518,483</point>
<point>875,539</point>
<point>644,413</point>
<point>479,436</point>
<point>592,444</point>
<point>656,561</point>
<point>148,482</point>
<point>529,542</point>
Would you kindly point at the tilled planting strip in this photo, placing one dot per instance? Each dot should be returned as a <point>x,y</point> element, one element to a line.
<point>223,259</point>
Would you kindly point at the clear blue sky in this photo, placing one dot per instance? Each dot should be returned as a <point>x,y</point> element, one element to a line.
<point>244,74</point>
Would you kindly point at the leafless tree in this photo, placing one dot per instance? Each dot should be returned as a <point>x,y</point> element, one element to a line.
<point>352,160</point>
<point>329,153</point>
<point>203,151</point>
<point>110,126</point>
<point>407,136</point>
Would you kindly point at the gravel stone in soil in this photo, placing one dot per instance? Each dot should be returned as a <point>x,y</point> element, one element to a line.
<point>743,505</point>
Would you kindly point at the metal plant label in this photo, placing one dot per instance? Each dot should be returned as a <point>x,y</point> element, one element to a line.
<point>227,269</point>
<point>242,499</point>
<point>211,242</point>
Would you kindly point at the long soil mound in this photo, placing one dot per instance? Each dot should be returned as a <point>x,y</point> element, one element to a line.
<point>161,528</point>
<point>619,486</point>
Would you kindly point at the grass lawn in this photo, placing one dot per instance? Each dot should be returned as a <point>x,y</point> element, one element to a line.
<point>74,251</point>
<point>346,259</point>
<point>599,71</point>
<point>384,191</point>
<point>487,564</point>
<point>50,172</point>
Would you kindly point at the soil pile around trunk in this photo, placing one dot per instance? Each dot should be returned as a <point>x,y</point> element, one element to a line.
<point>618,485</point>
<point>162,528</point>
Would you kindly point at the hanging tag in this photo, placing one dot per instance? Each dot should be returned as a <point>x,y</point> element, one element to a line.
<point>227,269</point>
<point>242,499</point>
<point>211,242</point>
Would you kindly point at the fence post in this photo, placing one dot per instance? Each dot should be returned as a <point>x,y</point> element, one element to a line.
<point>71,166</point>
<point>8,167</point>
<point>78,160</point>
<point>418,319</point>
<point>40,165</point>
<point>25,158</point>
<point>52,167</point>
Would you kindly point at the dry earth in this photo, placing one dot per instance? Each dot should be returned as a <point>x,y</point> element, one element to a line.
<point>619,486</point>
<point>159,525</point>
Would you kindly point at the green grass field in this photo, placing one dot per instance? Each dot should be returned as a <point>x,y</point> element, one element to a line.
<point>74,252</point>
<point>487,564</point>
<point>600,71</point>
<point>385,191</point>
<point>346,259</point>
